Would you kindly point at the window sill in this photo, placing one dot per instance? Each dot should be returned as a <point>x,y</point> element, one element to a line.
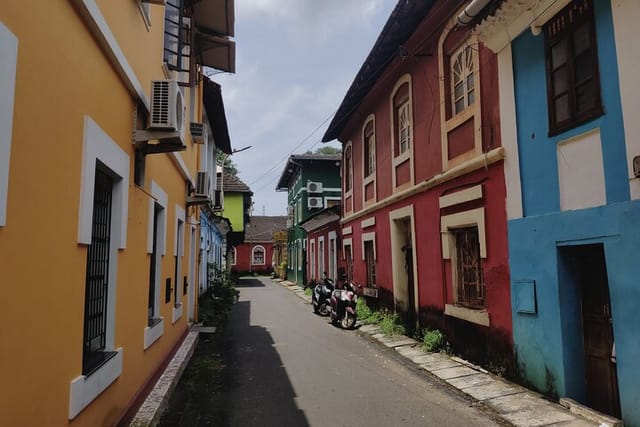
<point>153,332</point>
<point>177,313</point>
<point>477,316</point>
<point>84,389</point>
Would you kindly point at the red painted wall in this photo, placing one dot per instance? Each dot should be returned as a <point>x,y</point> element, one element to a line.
<point>314,236</point>
<point>244,257</point>
<point>434,273</point>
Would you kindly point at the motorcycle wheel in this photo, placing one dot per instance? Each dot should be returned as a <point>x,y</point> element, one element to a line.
<point>348,321</point>
<point>315,308</point>
<point>323,310</point>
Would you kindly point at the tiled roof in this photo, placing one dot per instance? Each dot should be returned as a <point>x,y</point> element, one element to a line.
<point>401,24</point>
<point>232,184</point>
<point>261,228</point>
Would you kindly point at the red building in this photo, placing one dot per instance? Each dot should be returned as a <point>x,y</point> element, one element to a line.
<point>323,250</point>
<point>255,255</point>
<point>424,217</point>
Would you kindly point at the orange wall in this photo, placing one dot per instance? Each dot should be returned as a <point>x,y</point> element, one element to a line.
<point>62,75</point>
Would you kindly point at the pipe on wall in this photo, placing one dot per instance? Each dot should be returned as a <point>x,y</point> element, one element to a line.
<point>471,11</point>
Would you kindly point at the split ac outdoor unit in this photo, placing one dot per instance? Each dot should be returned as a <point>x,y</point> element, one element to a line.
<point>314,187</point>
<point>314,202</point>
<point>199,132</point>
<point>202,184</point>
<point>167,118</point>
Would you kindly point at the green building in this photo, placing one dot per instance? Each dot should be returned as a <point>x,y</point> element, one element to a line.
<point>312,182</point>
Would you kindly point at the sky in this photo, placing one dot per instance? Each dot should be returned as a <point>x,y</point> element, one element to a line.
<point>295,60</point>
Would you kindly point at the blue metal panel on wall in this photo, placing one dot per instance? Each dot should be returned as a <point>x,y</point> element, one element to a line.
<point>549,346</point>
<point>525,291</point>
<point>538,162</point>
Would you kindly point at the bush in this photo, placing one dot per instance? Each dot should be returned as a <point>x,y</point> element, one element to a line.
<point>308,291</point>
<point>434,341</point>
<point>391,324</point>
<point>215,304</point>
<point>363,311</point>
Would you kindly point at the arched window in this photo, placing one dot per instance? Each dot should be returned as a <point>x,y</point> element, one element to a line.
<point>257,255</point>
<point>348,169</point>
<point>232,255</point>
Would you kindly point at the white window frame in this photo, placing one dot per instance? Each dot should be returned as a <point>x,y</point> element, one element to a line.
<point>158,196</point>
<point>448,223</point>
<point>463,54</point>
<point>8,72</point>
<point>234,255</point>
<point>299,254</point>
<point>321,266</point>
<point>407,154</point>
<point>332,256</point>
<point>145,11</point>
<point>97,145</point>
<point>264,255</point>
<point>178,252</point>
<point>312,259</point>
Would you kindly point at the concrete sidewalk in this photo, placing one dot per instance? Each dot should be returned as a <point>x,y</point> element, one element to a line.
<point>514,403</point>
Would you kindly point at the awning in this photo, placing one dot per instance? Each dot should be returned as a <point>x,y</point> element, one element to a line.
<point>214,108</point>
<point>214,24</point>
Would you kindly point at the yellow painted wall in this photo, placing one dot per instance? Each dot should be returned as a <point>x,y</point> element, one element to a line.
<point>62,75</point>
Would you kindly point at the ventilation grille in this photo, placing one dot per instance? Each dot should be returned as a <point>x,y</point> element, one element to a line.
<point>160,103</point>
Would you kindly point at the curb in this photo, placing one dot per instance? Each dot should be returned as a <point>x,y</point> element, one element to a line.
<point>511,402</point>
<point>156,402</point>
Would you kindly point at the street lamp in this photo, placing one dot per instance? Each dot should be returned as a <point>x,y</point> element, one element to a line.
<point>224,160</point>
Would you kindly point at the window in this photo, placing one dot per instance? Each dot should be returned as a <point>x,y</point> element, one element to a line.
<point>348,169</point>
<point>331,202</point>
<point>8,68</point>
<point>321,257</point>
<point>177,40</point>
<point>232,255</point>
<point>469,277</point>
<point>573,82</point>
<point>153,264</point>
<point>370,263</point>
<point>97,278</point>
<point>462,79</point>
<point>299,254</point>
<point>369,143</point>
<point>402,119</point>
<point>178,253</point>
<point>257,255</point>
<point>348,258</point>
<point>332,273</point>
<point>312,258</point>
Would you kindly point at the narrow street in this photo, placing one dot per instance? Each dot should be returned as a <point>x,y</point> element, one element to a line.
<point>286,366</point>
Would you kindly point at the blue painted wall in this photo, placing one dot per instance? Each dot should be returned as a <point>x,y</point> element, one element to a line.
<point>548,343</point>
<point>538,155</point>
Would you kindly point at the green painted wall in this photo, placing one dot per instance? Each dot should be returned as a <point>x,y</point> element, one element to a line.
<point>233,210</point>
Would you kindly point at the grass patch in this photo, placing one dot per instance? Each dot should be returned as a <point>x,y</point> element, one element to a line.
<point>434,341</point>
<point>389,323</point>
<point>308,291</point>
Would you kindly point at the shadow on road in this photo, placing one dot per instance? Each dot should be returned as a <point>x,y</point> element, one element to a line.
<point>257,386</point>
<point>249,282</point>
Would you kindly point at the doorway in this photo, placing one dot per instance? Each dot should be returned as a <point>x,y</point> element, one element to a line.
<point>403,262</point>
<point>586,285</point>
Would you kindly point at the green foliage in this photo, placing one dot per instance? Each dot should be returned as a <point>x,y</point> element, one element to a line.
<point>308,291</point>
<point>391,324</point>
<point>229,165</point>
<point>327,149</point>
<point>215,304</point>
<point>434,341</point>
<point>363,311</point>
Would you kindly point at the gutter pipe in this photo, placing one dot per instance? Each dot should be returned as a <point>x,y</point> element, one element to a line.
<point>471,11</point>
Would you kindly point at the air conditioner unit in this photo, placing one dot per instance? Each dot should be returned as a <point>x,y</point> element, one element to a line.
<point>202,184</point>
<point>314,187</point>
<point>199,132</point>
<point>167,118</point>
<point>314,202</point>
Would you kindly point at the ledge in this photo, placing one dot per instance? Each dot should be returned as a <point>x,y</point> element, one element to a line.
<point>177,313</point>
<point>479,317</point>
<point>84,389</point>
<point>153,333</point>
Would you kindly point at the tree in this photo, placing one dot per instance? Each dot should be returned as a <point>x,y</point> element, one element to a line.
<point>327,149</point>
<point>229,165</point>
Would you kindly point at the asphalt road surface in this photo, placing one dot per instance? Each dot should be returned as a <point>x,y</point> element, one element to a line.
<point>286,366</point>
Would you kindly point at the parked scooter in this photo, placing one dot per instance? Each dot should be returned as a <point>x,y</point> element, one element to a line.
<point>343,306</point>
<point>321,295</point>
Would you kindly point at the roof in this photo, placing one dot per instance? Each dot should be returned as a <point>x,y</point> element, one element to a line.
<point>321,218</point>
<point>297,161</point>
<point>214,108</point>
<point>402,22</point>
<point>262,228</point>
<point>232,184</point>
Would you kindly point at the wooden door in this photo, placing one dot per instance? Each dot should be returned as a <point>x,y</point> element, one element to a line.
<point>600,376</point>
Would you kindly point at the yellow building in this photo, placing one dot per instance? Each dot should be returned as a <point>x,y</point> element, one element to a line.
<point>100,181</point>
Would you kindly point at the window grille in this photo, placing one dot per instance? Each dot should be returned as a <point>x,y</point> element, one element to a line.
<point>258,256</point>
<point>469,276</point>
<point>97,278</point>
<point>177,39</point>
<point>153,263</point>
<point>462,82</point>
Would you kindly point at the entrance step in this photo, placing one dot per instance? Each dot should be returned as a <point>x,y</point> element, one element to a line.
<point>589,413</point>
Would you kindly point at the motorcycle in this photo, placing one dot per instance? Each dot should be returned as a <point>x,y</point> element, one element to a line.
<point>321,295</point>
<point>343,306</point>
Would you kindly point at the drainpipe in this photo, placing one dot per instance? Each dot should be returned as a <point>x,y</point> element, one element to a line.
<point>471,11</point>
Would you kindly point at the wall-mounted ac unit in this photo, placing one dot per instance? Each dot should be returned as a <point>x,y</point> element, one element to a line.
<point>199,132</point>
<point>202,184</point>
<point>314,187</point>
<point>314,202</point>
<point>167,118</point>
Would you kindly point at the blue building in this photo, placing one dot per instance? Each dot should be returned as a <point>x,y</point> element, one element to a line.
<point>570,124</point>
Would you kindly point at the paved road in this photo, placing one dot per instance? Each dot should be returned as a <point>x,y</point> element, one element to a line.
<point>289,367</point>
